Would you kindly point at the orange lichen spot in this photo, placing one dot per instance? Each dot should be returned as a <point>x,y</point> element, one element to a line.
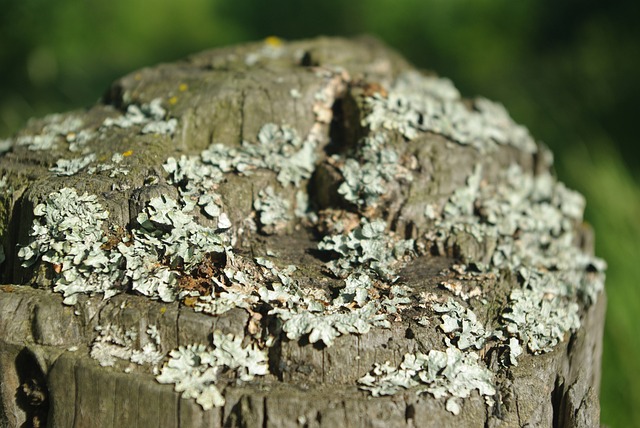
<point>127,153</point>
<point>57,268</point>
<point>163,310</point>
<point>371,89</point>
<point>183,87</point>
<point>7,288</point>
<point>273,41</point>
<point>190,301</point>
<point>173,100</point>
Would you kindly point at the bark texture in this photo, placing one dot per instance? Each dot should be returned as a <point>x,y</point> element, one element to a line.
<point>320,89</point>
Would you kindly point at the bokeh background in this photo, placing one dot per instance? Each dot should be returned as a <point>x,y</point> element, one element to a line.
<point>569,70</point>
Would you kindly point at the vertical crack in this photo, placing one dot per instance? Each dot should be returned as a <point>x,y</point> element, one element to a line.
<point>557,402</point>
<point>264,413</point>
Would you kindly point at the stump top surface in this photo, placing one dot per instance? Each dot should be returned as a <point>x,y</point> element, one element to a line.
<point>308,203</point>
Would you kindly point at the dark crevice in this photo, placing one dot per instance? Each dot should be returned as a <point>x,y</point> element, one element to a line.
<point>114,96</point>
<point>276,364</point>
<point>32,395</point>
<point>409,413</point>
<point>307,60</point>
<point>337,129</point>
<point>557,401</point>
<point>265,410</point>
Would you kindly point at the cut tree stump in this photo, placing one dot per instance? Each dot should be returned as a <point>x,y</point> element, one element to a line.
<point>350,242</point>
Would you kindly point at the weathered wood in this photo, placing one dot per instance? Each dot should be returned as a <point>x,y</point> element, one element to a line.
<point>320,88</point>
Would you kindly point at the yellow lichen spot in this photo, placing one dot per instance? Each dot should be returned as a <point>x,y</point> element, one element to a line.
<point>173,100</point>
<point>163,310</point>
<point>127,153</point>
<point>183,87</point>
<point>273,41</point>
<point>138,76</point>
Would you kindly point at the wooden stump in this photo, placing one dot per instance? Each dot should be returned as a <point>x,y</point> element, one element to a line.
<point>352,243</point>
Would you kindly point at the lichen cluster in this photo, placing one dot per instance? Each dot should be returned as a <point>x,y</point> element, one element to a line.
<point>69,233</point>
<point>529,223</point>
<point>451,374</point>
<point>417,104</point>
<point>525,223</point>
<point>195,370</point>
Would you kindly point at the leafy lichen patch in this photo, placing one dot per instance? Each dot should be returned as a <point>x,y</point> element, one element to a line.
<point>417,103</point>
<point>150,117</point>
<point>279,148</point>
<point>196,370</point>
<point>72,166</point>
<point>367,174</point>
<point>368,247</point>
<point>273,210</point>
<point>114,343</point>
<point>530,222</point>
<point>461,324</point>
<point>69,234</point>
<point>451,374</point>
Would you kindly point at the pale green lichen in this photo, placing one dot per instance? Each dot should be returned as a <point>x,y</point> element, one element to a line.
<point>150,117</point>
<point>461,324</point>
<point>169,235</point>
<point>195,370</point>
<point>540,320</point>
<point>114,167</point>
<point>417,103</point>
<point>115,343</point>
<point>367,174</point>
<point>56,126</point>
<point>530,224</point>
<point>68,232</point>
<point>369,248</point>
<point>72,166</point>
<point>304,313</point>
<point>273,210</point>
<point>279,148</point>
<point>452,374</point>
<point>326,327</point>
<point>37,142</point>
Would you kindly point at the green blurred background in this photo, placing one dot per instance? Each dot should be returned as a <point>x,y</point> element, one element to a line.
<point>566,69</point>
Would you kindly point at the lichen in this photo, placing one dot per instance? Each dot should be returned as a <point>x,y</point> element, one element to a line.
<point>461,324</point>
<point>72,166</point>
<point>369,248</point>
<point>114,343</point>
<point>273,210</point>
<point>366,175</point>
<point>452,374</point>
<point>68,233</point>
<point>114,168</point>
<point>417,104</point>
<point>150,117</point>
<point>540,320</point>
<point>530,223</point>
<point>279,149</point>
<point>169,235</point>
<point>195,369</point>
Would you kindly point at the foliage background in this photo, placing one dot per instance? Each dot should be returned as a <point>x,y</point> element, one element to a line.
<point>566,69</point>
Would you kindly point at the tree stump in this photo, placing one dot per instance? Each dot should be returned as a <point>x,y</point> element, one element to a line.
<point>307,234</point>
